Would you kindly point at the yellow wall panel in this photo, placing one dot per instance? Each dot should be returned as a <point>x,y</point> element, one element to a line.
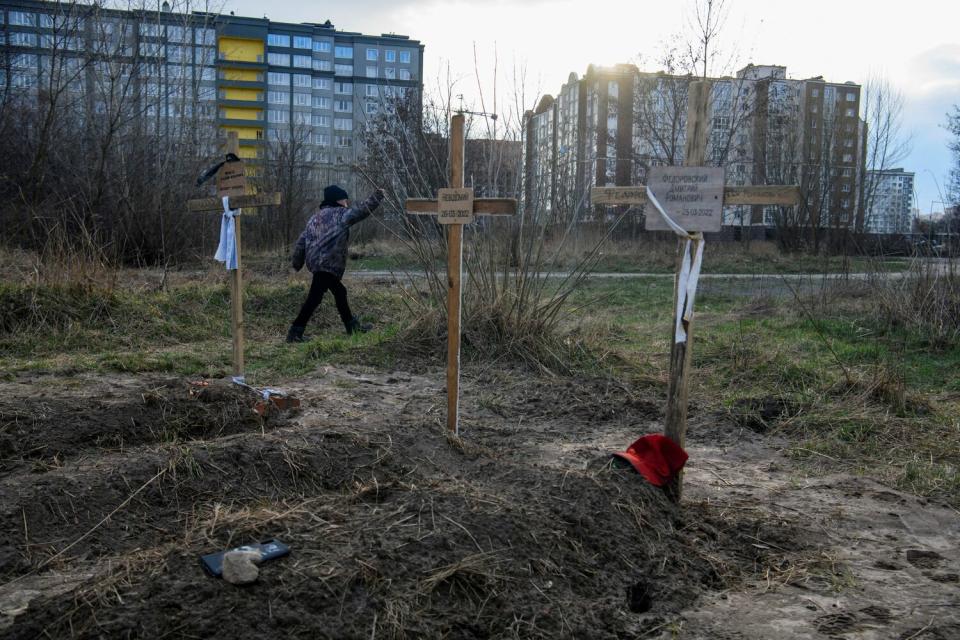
<point>240,113</point>
<point>230,93</point>
<point>246,133</point>
<point>242,75</point>
<point>241,50</point>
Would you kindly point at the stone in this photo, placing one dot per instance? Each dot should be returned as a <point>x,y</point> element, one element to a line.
<point>240,566</point>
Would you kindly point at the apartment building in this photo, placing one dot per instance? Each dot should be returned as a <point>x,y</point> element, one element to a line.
<point>267,81</point>
<point>614,123</point>
<point>890,202</point>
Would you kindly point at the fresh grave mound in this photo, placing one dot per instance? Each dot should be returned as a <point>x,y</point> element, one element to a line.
<point>47,427</point>
<point>396,531</point>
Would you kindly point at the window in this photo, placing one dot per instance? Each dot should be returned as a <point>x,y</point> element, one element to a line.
<point>205,36</point>
<point>279,59</point>
<point>845,188</point>
<point>850,113</point>
<point>322,65</point>
<point>278,115</point>
<point>815,92</point>
<point>373,55</point>
<point>301,99</point>
<point>848,143</point>
<point>22,18</point>
<point>321,46</point>
<point>343,106</point>
<point>845,203</point>
<point>301,80</point>
<point>278,97</point>
<point>318,120</point>
<point>344,142</point>
<point>371,91</point>
<point>390,73</point>
<point>404,74</point>
<point>322,139</point>
<point>390,55</point>
<point>343,124</point>
<point>177,34</point>
<point>847,157</point>
<point>302,42</point>
<point>343,88</point>
<point>46,21</point>
<point>851,96</point>
<point>18,39</point>
<point>279,135</point>
<point>405,57</point>
<point>303,62</point>
<point>176,53</point>
<point>146,29</point>
<point>371,107</point>
<point>277,40</point>
<point>343,69</point>
<point>322,83</point>
<point>277,78</point>
<point>847,173</point>
<point>371,72</point>
<point>343,52</point>
<point>321,102</point>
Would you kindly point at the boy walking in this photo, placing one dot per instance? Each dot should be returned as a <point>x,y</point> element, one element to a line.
<point>323,248</point>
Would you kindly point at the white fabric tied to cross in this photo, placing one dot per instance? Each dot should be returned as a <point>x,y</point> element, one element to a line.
<point>689,271</point>
<point>227,250</point>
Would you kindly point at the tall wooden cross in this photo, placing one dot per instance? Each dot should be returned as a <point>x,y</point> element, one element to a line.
<point>694,197</point>
<point>231,182</point>
<point>455,207</point>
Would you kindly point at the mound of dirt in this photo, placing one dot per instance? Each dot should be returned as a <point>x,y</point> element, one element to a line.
<point>396,528</point>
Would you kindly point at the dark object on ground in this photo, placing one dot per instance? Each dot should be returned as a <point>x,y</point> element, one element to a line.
<point>268,550</point>
<point>355,326</point>
<point>638,597</point>
<point>295,334</point>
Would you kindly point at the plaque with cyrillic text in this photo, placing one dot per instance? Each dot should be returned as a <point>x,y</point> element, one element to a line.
<point>691,196</point>
<point>455,206</point>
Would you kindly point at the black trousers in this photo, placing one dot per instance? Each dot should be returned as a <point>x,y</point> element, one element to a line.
<point>321,283</point>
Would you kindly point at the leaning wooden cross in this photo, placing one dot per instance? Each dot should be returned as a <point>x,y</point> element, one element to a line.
<point>693,197</point>
<point>231,183</point>
<point>455,207</point>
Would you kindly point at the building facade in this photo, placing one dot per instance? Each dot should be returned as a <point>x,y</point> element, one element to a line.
<point>610,126</point>
<point>890,204</point>
<point>267,81</point>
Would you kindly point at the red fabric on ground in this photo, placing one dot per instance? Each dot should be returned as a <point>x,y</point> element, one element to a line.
<point>656,457</point>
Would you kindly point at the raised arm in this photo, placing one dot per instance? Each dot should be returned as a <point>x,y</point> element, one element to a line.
<point>364,209</point>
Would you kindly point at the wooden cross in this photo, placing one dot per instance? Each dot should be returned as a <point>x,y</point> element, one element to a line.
<point>231,182</point>
<point>670,190</point>
<point>455,207</point>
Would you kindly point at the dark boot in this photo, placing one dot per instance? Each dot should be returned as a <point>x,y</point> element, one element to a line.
<point>295,334</point>
<point>355,326</point>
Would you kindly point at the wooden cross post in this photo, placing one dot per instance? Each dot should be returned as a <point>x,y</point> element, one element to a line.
<point>231,182</point>
<point>693,196</point>
<point>455,207</point>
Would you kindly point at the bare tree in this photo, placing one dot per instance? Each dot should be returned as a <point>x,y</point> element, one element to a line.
<point>953,184</point>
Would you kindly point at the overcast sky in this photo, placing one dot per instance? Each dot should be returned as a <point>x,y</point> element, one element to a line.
<point>915,45</point>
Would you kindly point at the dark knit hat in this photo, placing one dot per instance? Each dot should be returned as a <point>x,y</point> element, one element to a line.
<point>333,194</point>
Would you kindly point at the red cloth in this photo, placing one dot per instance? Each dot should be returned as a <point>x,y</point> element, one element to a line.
<point>656,457</point>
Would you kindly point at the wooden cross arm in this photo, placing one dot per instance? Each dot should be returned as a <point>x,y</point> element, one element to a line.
<point>250,201</point>
<point>481,206</point>
<point>760,194</point>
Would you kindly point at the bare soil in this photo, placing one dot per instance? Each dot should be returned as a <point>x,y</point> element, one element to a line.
<point>111,487</point>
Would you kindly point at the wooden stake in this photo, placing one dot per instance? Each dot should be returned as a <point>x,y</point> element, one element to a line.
<point>454,275</point>
<point>677,390</point>
<point>236,280</point>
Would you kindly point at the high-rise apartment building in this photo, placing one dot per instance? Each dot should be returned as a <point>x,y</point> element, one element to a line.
<point>890,203</point>
<point>267,81</point>
<point>611,125</point>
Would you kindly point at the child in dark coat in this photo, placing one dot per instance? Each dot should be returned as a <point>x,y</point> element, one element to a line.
<point>323,248</point>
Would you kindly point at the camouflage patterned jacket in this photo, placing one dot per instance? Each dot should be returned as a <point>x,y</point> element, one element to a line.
<point>323,244</point>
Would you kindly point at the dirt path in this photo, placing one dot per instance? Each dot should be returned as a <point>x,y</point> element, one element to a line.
<point>897,556</point>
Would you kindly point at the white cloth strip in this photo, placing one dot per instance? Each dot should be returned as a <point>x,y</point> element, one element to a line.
<point>227,249</point>
<point>689,271</point>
